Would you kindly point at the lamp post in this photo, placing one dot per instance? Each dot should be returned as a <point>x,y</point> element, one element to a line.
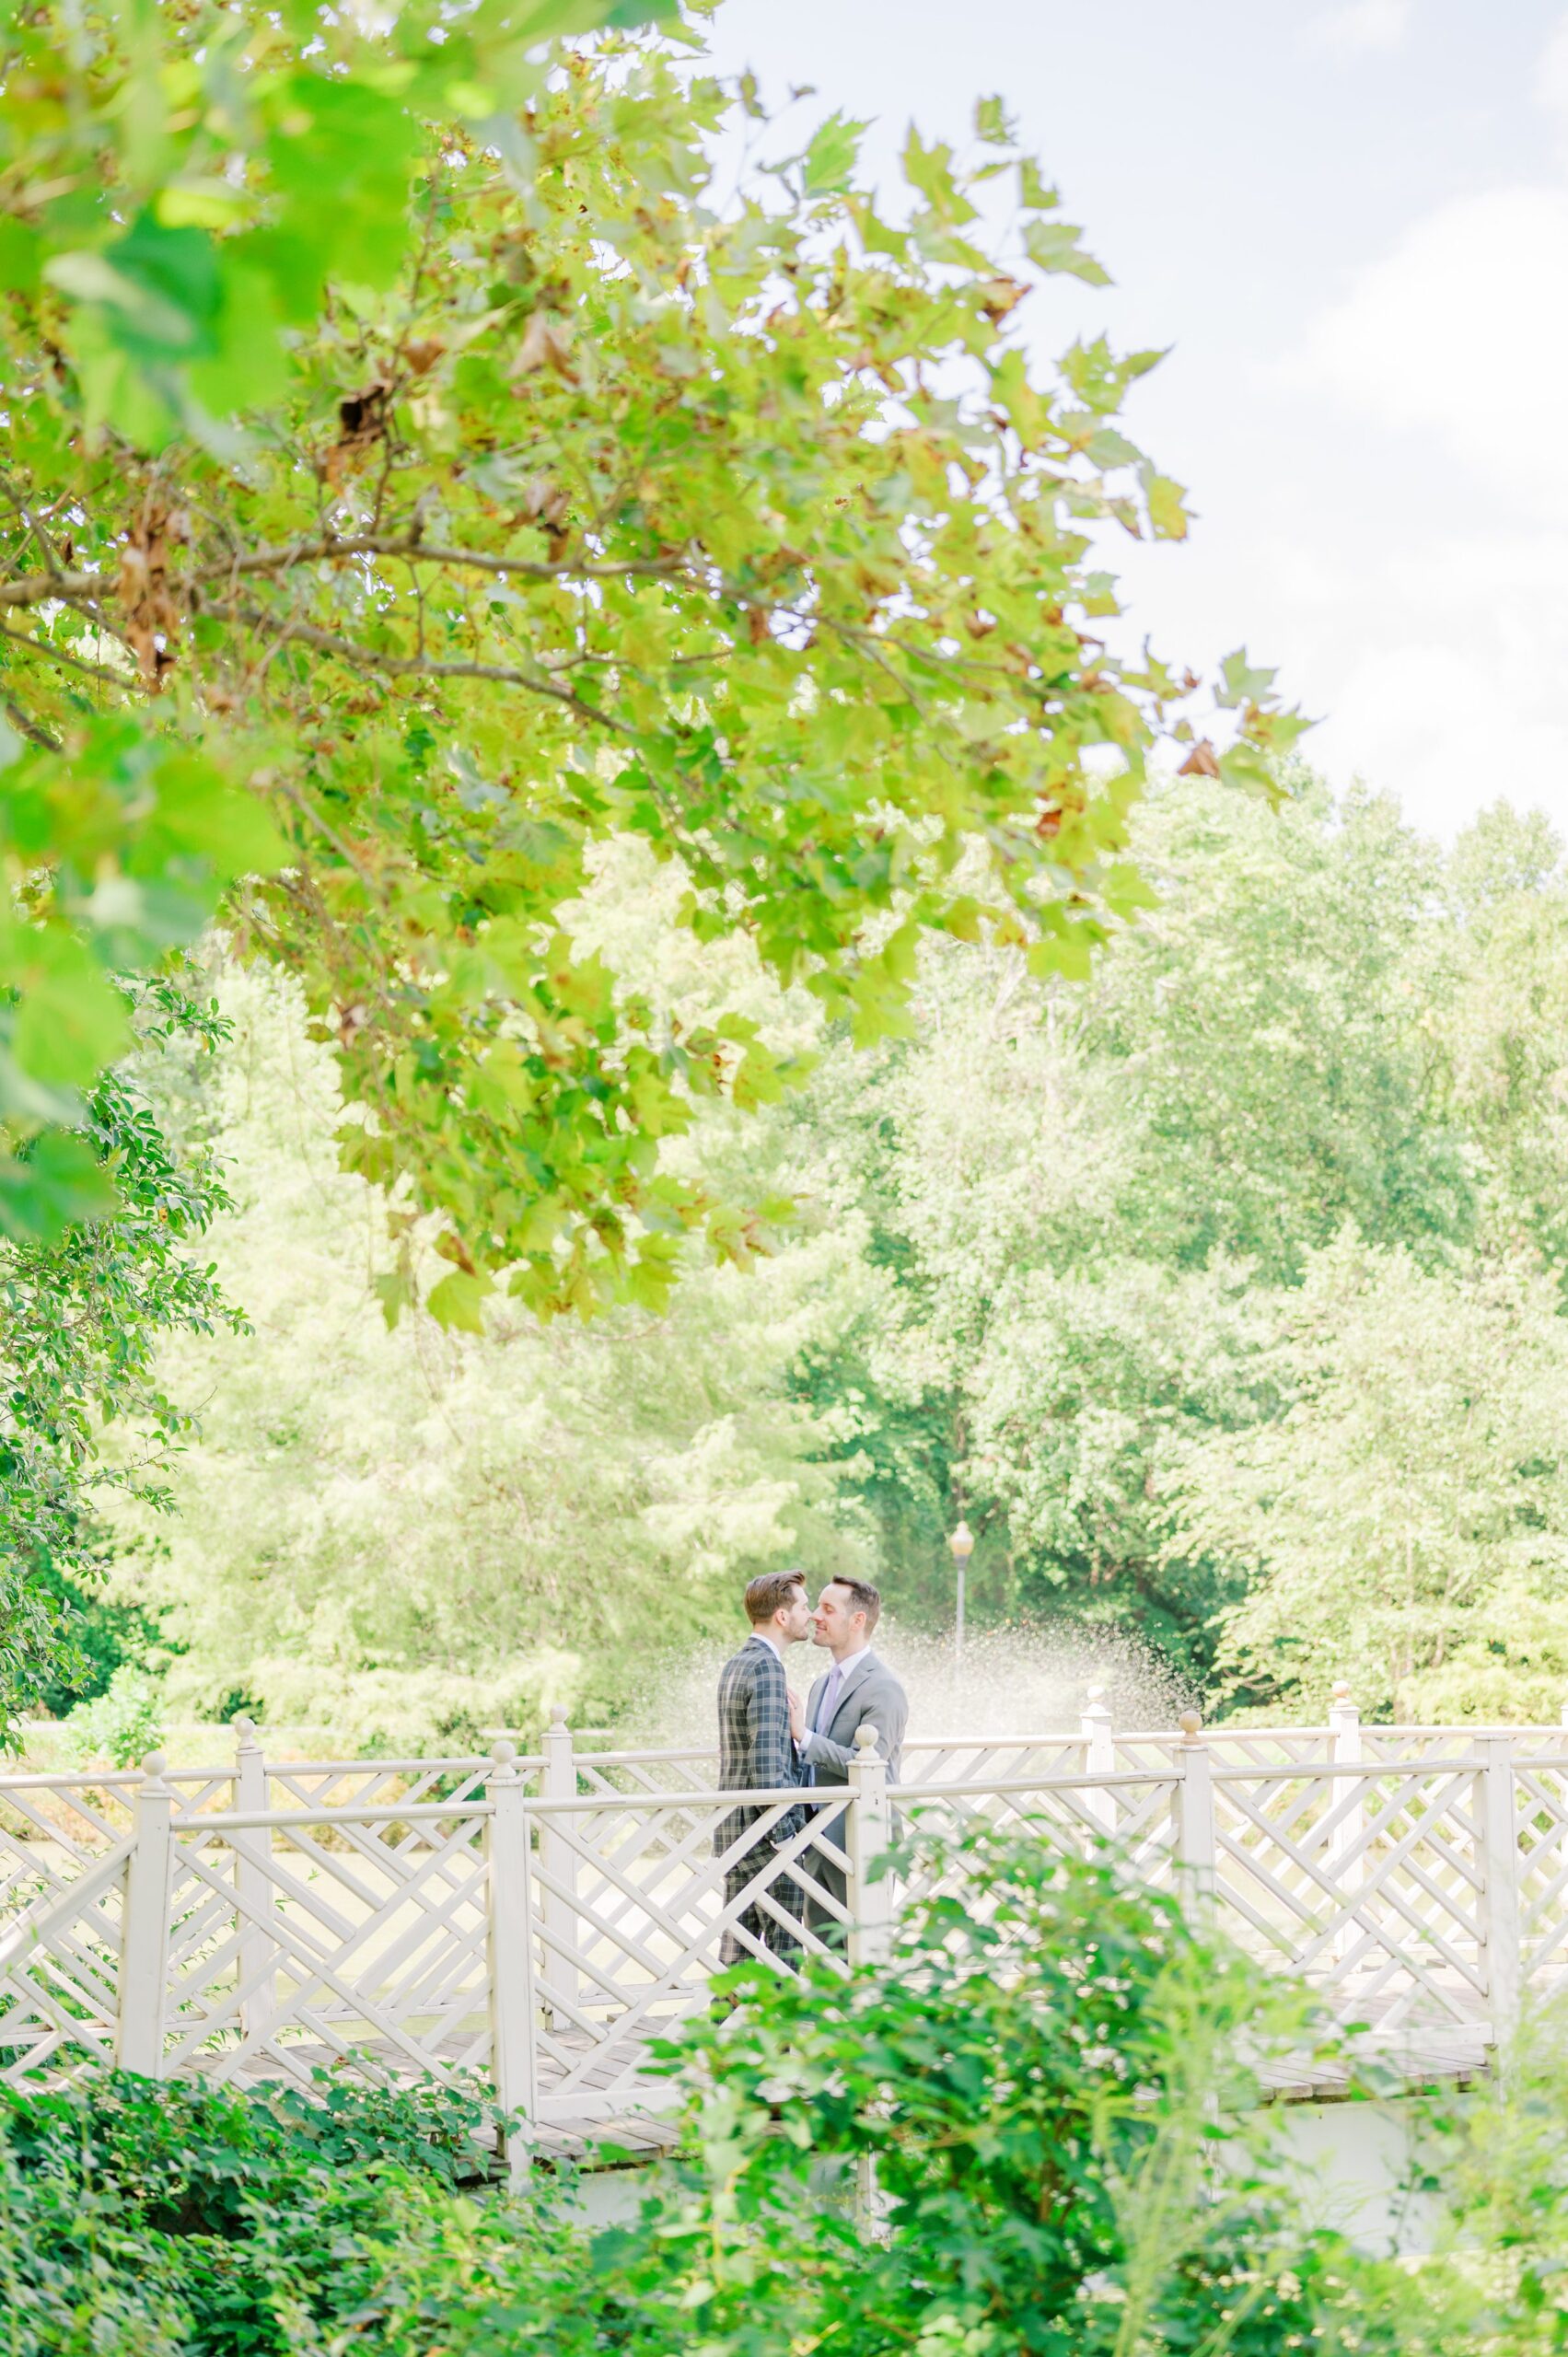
<point>962,1545</point>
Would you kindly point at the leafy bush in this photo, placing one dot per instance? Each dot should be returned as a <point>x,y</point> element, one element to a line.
<point>209,2223</point>
<point>122,1724</point>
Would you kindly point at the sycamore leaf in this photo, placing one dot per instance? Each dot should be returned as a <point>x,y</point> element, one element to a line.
<point>1242,684</point>
<point>70,1021</point>
<point>395,1293</point>
<point>1035,195</point>
<point>992,123</point>
<point>832,157</point>
<point>459,1300</point>
<point>1202,762</point>
<point>1168,515</point>
<point>1054,246</point>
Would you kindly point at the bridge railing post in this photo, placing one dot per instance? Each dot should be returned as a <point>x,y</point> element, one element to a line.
<point>144,1949</point>
<point>253,1888</point>
<point>1500,1883</point>
<point>1344,1837</point>
<point>514,2017</point>
<point>1195,1840</point>
<point>1100,1757</point>
<point>871,1919</point>
<point>870,1902</point>
<point>558,1863</point>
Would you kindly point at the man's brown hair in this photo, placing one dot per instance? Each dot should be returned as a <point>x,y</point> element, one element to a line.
<point>867,1599</point>
<point>764,1596</point>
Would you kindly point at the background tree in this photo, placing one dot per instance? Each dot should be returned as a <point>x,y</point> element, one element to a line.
<point>1413,1485</point>
<point>85,1405</point>
<point>1199,1421</point>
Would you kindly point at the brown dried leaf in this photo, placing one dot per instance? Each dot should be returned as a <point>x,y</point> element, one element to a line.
<point>1202,762</point>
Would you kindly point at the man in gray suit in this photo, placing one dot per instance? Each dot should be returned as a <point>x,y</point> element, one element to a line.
<point>857,1690</point>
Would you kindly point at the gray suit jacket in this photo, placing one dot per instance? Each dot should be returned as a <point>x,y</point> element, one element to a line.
<point>871,1695</point>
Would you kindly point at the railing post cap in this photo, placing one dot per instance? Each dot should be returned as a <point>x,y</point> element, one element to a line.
<point>244,1725</point>
<point>1341,1689</point>
<point>1191,1723</point>
<point>153,1765</point>
<point>502,1753</point>
<point>1095,1695</point>
<point>558,1715</point>
<point>865,1739</point>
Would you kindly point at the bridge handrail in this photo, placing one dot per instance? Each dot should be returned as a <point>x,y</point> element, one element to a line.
<point>278,1915</point>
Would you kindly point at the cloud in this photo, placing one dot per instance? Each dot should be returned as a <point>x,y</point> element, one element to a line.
<point>1432,588</point>
<point>1552,81</point>
<point>1460,333</point>
<point>1443,660</point>
<point>1361,28</point>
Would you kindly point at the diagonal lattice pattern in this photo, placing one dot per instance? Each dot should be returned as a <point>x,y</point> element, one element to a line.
<point>1368,1883</point>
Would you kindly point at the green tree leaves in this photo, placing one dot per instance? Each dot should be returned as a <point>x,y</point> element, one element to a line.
<point>412,450</point>
<point>83,1318</point>
<point>116,847</point>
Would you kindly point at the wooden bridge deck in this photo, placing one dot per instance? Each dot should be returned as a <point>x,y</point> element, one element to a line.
<point>1403,2058</point>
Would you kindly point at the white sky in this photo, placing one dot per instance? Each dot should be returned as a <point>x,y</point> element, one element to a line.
<point>1350,220</point>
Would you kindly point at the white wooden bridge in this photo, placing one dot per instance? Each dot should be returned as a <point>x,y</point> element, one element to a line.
<point>540,1918</point>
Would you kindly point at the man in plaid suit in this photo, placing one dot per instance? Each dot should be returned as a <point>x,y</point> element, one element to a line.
<point>757,1754</point>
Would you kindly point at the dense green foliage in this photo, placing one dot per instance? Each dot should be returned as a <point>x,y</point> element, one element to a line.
<point>201,2222</point>
<point>1225,1293</point>
<point>632,660</point>
<point>1053,2113</point>
<point>83,1320</point>
<point>534,489</point>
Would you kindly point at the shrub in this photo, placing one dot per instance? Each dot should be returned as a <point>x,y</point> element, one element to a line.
<point>208,2221</point>
<point>124,1723</point>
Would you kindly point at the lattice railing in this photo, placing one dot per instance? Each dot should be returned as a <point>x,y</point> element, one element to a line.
<point>1371,1884</point>
<point>639,1902</point>
<point>540,1919</point>
<point>1137,1812</point>
<point>325,1937</point>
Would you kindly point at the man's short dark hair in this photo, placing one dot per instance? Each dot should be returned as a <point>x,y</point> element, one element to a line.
<point>867,1599</point>
<point>769,1594</point>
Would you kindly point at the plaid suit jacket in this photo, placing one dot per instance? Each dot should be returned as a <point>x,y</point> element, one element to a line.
<point>755,1752</point>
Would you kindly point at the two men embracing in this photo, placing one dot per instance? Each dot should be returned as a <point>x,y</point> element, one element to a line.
<point>768,1739</point>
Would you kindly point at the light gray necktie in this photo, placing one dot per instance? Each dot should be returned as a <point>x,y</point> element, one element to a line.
<point>829,1698</point>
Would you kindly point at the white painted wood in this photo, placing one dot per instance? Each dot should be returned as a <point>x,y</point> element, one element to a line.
<point>1195,1823</point>
<point>403,1931</point>
<point>1347,1810</point>
<point>1099,1756</point>
<point>558,1866</point>
<point>253,1883</point>
<point>1500,1887</point>
<point>513,1997</point>
<point>870,1900</point>
<point>144,1955</point>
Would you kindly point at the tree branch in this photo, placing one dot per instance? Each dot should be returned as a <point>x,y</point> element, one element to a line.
<point>31,729</point>
<point>73,588</point>
<point>367,659</point>
<point>58,654</point>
